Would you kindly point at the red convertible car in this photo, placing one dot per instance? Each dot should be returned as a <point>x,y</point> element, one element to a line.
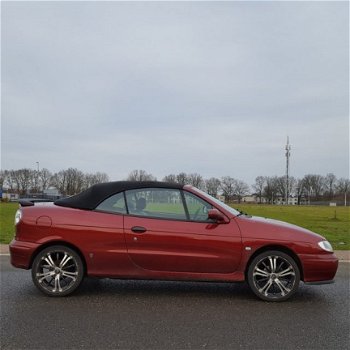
<point>157,230</point>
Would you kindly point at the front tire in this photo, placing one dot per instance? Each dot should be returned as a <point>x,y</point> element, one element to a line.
<point>273,276</point>
<point>57,271</point>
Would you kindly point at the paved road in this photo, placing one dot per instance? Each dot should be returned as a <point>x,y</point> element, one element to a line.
<point>171,315</point>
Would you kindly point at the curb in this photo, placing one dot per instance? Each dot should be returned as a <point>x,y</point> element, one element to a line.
<point>4,249</point>
<point>342,255</point>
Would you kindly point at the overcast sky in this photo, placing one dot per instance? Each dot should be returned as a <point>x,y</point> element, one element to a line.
<point>207,87</point>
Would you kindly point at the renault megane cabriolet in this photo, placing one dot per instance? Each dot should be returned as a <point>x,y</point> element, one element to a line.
<point>164,231</point>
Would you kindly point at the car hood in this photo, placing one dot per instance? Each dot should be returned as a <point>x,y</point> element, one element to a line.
<point>269,228</point>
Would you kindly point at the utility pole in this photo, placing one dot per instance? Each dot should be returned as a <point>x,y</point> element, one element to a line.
<point>288,148</point>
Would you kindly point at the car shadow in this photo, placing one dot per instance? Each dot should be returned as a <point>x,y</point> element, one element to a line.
<point>97,289</point>
<point>94,287</point>
<point>144,288</point>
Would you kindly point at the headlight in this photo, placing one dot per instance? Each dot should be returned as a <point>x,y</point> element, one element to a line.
<point>325,245</point>
<point>18,216</point>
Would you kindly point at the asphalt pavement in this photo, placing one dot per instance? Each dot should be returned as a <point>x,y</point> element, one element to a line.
<point>106,314</point>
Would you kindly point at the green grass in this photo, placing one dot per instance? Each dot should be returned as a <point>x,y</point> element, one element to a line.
<point>331,222</point>
<point>7,218</point>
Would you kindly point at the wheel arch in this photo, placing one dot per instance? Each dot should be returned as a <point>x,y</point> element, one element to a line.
<point>63,243</point>
<point>280,248</point>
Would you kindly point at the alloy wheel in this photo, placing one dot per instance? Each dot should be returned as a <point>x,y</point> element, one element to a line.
<point>274,276</point>
<point>57,271</point>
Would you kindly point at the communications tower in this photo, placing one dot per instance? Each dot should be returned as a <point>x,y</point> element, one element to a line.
<point>288,148</point>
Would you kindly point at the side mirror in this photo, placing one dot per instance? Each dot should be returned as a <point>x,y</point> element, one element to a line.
<point>217,216</point>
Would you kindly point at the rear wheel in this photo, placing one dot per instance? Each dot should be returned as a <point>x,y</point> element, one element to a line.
<point>57,270</point>
<point>273,276</point>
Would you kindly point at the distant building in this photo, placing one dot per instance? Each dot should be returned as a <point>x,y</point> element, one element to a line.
<point>249,199</point>
<point>282,200</point>
<point>52,192</point>
<point>10,196</point>
<point>221,198</point>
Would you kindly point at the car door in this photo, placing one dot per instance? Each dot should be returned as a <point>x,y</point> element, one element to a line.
<point>168,230</point>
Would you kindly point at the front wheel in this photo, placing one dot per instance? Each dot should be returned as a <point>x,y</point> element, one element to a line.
<point>273,276</point>
<point>57,270</point>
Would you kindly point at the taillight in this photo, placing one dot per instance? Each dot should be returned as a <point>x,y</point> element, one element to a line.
<point>18,216</point>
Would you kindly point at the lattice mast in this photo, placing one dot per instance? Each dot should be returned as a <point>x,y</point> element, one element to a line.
<point>288,148</point>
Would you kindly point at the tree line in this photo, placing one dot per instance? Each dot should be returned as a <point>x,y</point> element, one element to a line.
<point>267,189</point>
<point>68,182</point>
<point>310,188</point>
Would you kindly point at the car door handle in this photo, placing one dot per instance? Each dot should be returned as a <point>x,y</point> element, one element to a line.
<point>138,229</point>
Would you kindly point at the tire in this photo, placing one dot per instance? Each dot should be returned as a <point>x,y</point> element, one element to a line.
<point>57,271</point>
<point>273,276</point>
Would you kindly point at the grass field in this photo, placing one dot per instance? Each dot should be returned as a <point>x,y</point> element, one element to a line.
<point>331,222</point>
<point>7,218</point>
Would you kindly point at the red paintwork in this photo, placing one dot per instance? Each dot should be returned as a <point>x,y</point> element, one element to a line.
<point>169,249</point>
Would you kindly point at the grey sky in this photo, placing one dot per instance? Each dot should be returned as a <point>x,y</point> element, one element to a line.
<point>208,87</point>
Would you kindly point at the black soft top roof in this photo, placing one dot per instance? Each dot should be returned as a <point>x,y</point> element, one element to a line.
<point>93,196</point>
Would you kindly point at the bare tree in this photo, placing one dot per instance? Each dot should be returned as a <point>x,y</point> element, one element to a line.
<point>75,181</point>
<point>281,182</point>
<point>271,189</point>
<point>13,179</point>
<point>24,180</point>
<point>195,180</point>
<point>45,177</point>
<point>2,178</point>
<point>140,175</point>
<point>240,189</point>
<point>10,181</point>
<point>260,182</point>
<point>228,187</point>
<point>314,185</point>
<point>343,187</point>
<point>318,185</point>
<point>170,178</point>
<point>213,186</point>
<point>292,185</point>
<point>69,182</point>
<point>281,186</point>
<point>299,189</point>
<point>59,180</point>
<point>182,178</point>
<point>329,184</point>
<point>100,178</point>
<point>93,179</point>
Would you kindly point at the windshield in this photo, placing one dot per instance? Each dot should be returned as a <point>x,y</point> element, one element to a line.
<point>221,204</point>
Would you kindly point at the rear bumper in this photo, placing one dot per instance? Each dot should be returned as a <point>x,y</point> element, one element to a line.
<point>21,253</point>
<point>320,268</point>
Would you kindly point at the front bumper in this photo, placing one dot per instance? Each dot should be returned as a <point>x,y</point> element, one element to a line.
<point>320,268</point>
<point>21,253</point>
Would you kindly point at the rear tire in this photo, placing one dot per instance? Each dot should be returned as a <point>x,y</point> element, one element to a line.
<point>273,276</point>
<point>57,271</point>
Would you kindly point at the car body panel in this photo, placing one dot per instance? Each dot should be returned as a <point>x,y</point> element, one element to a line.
<point>170,245</point>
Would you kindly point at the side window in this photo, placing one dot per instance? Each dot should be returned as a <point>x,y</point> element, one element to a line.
<point>156,202</point>
<point>197,208</point>
<point>113,204</point>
